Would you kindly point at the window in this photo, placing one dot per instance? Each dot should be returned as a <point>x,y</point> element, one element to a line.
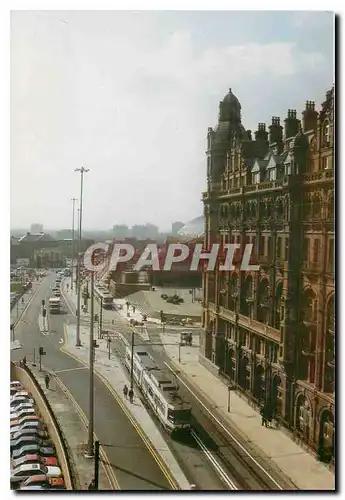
<point>326,134</point>
<point>331,252</point>
<point>279,248</point>
<point>286,248</point>
<point>256,178</point>
<point>325,163</point>
<point>272,174</point>
<point>261,245</point>
<point>306,249</point>
<point>254,244</point>
<point>269,248</point>
<point>316,250</point>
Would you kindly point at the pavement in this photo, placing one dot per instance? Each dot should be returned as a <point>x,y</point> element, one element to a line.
<point>120,440</point>
<point>74,431</point>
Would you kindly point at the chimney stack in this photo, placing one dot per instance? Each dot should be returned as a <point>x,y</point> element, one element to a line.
<point>276,130</point>
<point>261,133</point>
<point>309,116</point>
<point>292,124</point>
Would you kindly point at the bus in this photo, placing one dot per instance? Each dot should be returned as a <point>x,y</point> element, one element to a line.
<point>55,305</point>
<point>103,297</point>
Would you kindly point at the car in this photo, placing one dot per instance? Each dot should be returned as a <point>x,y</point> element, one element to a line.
<point>21,393</point>
<point>29,432</point>
<point>18,400</point>
<point>45,481</point>
<point>22,420</point>
<point>36,469</point>
<point>22,413</point>
<point>48,451</point>
<point>15,384</point>
<point>21,406</point>
<point>24,440</point>
<point>33,487</point>
<point>34,458</point>
<point>35,424</point>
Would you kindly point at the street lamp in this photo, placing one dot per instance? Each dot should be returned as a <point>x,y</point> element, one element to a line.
<point>90,447</point>
<point>132,357</point>
<point>82,170</point>
<point>72,266</point>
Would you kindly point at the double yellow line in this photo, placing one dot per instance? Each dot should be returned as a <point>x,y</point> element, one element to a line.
<point>133,421</point>
<point>105,461</point>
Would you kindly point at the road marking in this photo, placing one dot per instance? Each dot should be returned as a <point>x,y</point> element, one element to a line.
<point>214,462</point>
<point>226,430</point>
<point>70,369</point>
<point>26,307</point>
<point>105,461</point>
<point>133,421</point>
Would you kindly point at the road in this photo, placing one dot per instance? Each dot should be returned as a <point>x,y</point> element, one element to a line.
<point>123,446</point>
<point>239,462</point>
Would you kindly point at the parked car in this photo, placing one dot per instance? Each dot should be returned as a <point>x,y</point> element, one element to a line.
<point>45,481</point>
<point>22,406</point>
<point>47,451</point>
<point>18,400</point>
<point>26,471</point>
<point>29,432</point>
<point>22,420</point>
<point>22,413</point>
<point>34,458</point>
<point>31,424</point>
<point>24,440</point>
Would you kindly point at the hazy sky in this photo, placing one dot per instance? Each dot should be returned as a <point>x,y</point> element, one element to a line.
<point>130,95</point>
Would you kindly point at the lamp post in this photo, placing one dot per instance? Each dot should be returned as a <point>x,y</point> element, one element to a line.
<point>90,447</point>
<point>82,170</point>
<point>72,265</point>
<point>101,319</point>
<point>132,358</point>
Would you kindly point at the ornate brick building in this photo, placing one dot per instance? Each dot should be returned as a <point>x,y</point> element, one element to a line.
<point>271,332</point>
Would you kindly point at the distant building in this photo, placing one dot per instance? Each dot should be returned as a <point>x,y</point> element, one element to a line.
<point>65,234</point>
<point>36,228</point>
<point>175,227</point>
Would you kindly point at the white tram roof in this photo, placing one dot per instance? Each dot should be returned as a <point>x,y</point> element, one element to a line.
<point>162,379</point>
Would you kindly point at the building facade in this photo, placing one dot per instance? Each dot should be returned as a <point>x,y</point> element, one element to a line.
<point>271,332</point>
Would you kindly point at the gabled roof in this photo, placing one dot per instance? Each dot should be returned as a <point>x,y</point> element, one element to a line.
<point>259,165</point>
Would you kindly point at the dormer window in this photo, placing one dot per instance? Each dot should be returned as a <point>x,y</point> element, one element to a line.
<point>256,178</point>
<point>272,175</point>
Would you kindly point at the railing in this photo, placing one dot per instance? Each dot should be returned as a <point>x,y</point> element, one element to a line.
<point>319,176</point>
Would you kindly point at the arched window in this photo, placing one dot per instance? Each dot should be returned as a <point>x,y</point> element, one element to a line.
<point>316,207</point>
<point>326,136</point>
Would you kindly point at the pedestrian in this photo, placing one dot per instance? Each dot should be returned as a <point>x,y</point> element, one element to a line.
<point>125,391</point>
<point>131,395</point>
<point>92,485</point>
<point>47,380</point>
<point>263,416</point>
<point>22,300</point>
<point>24,360</point>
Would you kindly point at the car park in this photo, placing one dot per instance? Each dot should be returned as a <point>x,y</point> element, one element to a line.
<point>47,451</point>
